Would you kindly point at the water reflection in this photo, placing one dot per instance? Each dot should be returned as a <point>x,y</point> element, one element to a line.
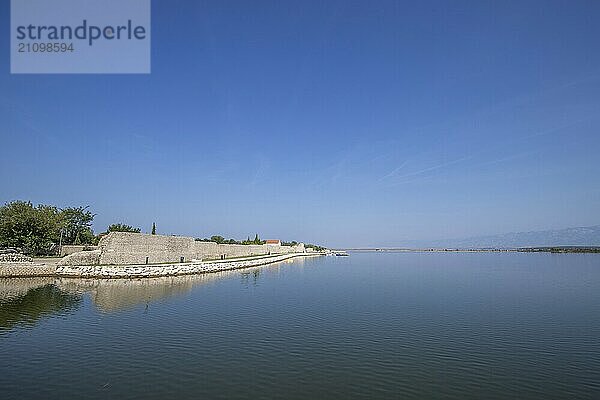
<point>26,301</point>
<point>250,278</point>
<point>117,294</point>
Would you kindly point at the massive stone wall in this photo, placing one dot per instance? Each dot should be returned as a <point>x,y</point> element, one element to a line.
<point>81,258</point>
<point>122,248</point>
<point>67,249</point>
<point>137,248</point>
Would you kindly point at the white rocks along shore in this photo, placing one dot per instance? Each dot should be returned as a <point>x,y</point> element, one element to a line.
<point>141,270</point>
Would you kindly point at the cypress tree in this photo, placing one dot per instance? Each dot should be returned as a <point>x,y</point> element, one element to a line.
<point>154,228</point>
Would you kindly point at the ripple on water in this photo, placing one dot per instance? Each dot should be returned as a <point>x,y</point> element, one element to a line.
<point>370,326</point>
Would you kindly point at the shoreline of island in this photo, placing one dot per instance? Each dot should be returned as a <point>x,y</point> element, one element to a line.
<point>138,255</point>
<point>537,249</point>
<point>29,270</point>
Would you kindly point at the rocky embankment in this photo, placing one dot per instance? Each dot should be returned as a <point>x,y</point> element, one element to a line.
<point>30,269</point>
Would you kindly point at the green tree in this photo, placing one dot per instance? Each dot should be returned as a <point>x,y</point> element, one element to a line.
<point>123,228</point>
<point>154,228</point>
<point>76,225</point>
<point>36,230</point>
<point>217,239</point>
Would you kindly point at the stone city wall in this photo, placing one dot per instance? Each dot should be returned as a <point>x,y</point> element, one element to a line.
<point>137,248</point>
<point>122,254</point>
<point>122,248</point>
<point>81,258</point>
<point>67,249</point>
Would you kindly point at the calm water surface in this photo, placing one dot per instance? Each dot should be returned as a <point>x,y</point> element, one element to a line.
<point>369,326</point>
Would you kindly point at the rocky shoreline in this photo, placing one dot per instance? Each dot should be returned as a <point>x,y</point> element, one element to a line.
<point>28,269</point>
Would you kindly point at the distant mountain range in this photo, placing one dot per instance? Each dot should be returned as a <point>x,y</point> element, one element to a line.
<point>583,236</point>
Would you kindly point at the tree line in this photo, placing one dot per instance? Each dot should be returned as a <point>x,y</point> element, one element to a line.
<point>221,240</point>
<point>40,230</point>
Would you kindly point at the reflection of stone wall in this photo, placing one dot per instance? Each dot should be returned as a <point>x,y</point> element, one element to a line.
<point>122,248</point>
<point>16,287</point>
<point>115,294</point>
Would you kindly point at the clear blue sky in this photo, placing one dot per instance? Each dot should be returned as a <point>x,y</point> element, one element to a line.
<point>338,122</point>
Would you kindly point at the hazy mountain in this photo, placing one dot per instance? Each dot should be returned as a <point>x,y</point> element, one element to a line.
<point>583,236</point>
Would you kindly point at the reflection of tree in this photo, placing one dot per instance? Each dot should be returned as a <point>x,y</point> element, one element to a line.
<point>35,304</point>
<point>26,300</point>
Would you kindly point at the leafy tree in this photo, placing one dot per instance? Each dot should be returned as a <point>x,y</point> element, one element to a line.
<point>36,230</point>
<point>154,228</point>
<point>123,228</point>
<point>217,239</point>
<point>76,225</point>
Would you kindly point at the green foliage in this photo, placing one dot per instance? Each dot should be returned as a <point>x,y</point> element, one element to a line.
<point>221,240</point>
<point>217,239</point>
<point>123,228</point>
<point>154,228</point>
<point>76,225</point>
<point>255,241</point>
<point>37,229</point>
<point>315,247</point>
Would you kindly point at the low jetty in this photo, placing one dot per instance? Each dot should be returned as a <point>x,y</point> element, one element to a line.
<point>22,270</point>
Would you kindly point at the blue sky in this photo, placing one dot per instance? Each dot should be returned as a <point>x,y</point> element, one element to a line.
<point>339,122</point>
